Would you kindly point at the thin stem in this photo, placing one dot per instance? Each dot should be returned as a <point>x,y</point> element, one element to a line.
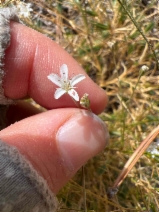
<point>141,32</point>
<point>140,75</point>
<point>74,101</point>
<point>135,156</point>
<point>84,189</point>
<point>83,175</point>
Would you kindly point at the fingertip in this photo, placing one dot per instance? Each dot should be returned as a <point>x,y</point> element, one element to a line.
<point>99,101</point>
<point>30,58</point>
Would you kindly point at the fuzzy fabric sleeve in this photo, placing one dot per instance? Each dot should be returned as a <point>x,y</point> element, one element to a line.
<point>21,187</point>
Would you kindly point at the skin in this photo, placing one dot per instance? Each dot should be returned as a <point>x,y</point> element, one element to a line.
<point>30,58</point>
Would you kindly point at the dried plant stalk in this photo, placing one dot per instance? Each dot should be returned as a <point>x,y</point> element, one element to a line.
<point>133,160</point>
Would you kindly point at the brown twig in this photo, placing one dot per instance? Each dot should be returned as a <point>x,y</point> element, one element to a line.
<point>133,160</point>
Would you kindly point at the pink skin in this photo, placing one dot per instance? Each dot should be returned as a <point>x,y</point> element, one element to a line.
<point>30,58</point>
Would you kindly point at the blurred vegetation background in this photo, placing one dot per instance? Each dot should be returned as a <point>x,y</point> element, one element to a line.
<point>100,35</point>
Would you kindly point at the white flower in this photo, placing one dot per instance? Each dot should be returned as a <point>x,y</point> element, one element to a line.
<point>111,43</point>
<point>24,9</point>
<point>66,85</point>
<point>154,148</point>
<point>144,68</point>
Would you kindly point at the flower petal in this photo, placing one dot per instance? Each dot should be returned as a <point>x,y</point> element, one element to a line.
<point>59,92</point>
<point>64,72</point>
<point>55,79</point>
<point>76,79</point>
<point>73,94</point>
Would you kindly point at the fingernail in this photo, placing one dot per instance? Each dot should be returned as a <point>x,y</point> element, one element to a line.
<point>80,138</point>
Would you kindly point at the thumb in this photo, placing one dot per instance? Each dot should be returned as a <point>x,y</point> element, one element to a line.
<point>57,143</point>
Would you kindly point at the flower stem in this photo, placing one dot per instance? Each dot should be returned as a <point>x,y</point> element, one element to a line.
<point>83,175</point>
<point>84,189</point>
<point>75,102</point>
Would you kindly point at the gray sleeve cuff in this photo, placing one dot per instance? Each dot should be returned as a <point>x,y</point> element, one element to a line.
<point>21,187</point>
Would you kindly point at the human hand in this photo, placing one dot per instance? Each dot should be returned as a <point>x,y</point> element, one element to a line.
<point>57,142</point>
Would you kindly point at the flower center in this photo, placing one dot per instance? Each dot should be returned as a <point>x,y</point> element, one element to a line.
<point>66,86</point>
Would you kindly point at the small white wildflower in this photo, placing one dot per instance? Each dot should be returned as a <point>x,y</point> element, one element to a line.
<point>144,68</point>
<point>24,9</point>
<point>111,43</point>
<point>153,148</point>
<point>66,85</point>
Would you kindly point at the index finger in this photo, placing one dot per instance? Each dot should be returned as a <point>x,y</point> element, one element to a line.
<point>30,58</point>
